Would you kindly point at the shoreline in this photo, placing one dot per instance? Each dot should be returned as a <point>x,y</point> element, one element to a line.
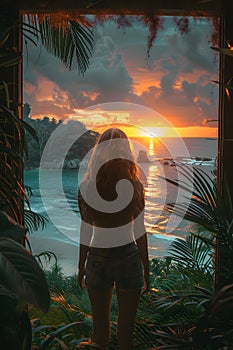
<point>194,160</point>
<point>67,253</point>
<point>55,239</point>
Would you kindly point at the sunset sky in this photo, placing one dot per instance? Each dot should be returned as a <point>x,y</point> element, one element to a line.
<point>171,89</point>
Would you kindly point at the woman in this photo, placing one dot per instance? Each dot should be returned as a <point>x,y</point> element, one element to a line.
<point>113,241</point>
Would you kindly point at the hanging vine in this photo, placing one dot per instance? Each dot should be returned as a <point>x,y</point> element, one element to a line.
<point>154,23</point>
<point>182,24</point>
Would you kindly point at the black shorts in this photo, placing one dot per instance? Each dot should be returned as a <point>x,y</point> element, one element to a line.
<point>120,266</point>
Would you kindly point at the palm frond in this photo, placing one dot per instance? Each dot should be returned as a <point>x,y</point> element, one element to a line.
<point>192,252</point>
<point>34,221</point>
<point>21,274</point>
<point>46,257</point>
<point>9,228</point>
<point>195,213</point>
<point>11,191</point>
<point>9,60</point>
<point>207,207</point>
<point>71,43</point>
<point>19,126</point>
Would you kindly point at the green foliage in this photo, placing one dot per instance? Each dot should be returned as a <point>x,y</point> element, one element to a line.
<point>21,274</point>
<point>207,207</point>
<point>156,310</point>
<point>194,259</point>
<point>211,210</point>
<point>72,42</point>
<point>211,329</point>
<point>70,45</point>
<point>189,313</point>
<point>33,221</point>
<point>50,337</point>
<point>45,127</point>
<point>12,192</point>
<point>22,281</point>
<point>12,146</point>
<point>67,324</point>
<point>181,310</point>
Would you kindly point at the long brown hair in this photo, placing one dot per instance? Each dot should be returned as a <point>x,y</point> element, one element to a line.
<point>112,155</point>
<point>112,160</point>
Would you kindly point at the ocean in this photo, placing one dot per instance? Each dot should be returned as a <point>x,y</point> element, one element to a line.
<point>61,209</point>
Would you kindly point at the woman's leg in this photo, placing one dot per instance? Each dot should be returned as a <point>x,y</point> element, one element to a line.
<point>101,307</point>
<point>127,307</point>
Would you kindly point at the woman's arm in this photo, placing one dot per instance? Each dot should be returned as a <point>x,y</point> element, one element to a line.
<point>143,252</point>
<point>140,235</point>
<point>85,240</point>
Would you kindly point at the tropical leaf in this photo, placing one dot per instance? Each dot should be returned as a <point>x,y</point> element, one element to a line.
<point>30,28</point>
<point>9,228</point>
<point>197,214</point>
<point>10,306</point>
<point>16,233</point>
<point>34,221</point>
<point>193,319</point>
<point>74,42</point>
<point>192,252</point>
<point>53,336</point>
<point>37,329</point>
<point>83,41</point>
<point>47,257</point>
<point>10,60</point>
<point>11,191</point>
<point>21,274</point>
<point>10,199</point>
<point>207,207</point>
<point>30,32</point>
<point>16,333</point>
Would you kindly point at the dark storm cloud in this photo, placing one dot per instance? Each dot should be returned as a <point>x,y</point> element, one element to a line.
<point>188,106</point>
<point>178,73</point>
<point>204,97</point>
<point>191,49</point>
<point>167,83</point>
<point>107,78</point>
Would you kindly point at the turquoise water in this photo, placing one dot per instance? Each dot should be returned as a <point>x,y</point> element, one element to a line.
<point>65,208</point>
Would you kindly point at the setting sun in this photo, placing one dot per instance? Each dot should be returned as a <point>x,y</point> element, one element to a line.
<point>195,131</point>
